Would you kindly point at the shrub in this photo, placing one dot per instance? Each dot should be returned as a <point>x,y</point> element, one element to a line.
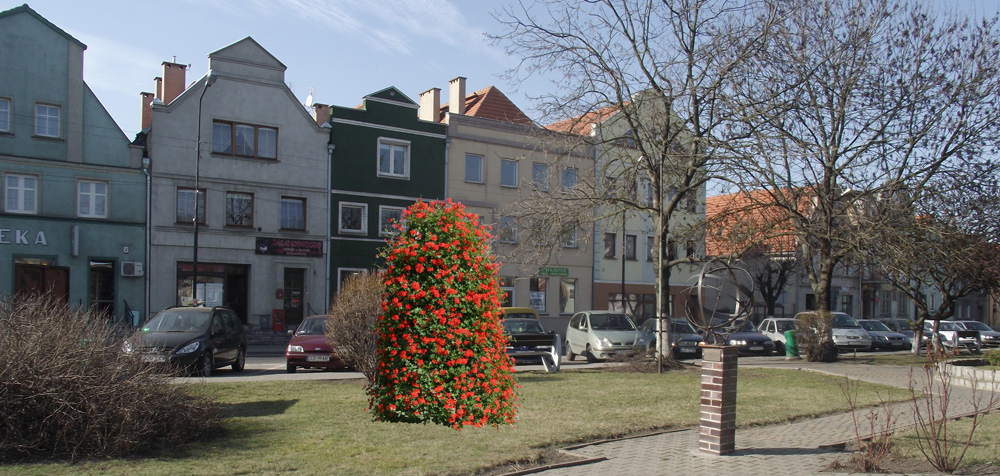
<point>814,337</point>
<point>440,341</point>
<point>351,326</point>
<point>67,391</point>
<point>993,357</point>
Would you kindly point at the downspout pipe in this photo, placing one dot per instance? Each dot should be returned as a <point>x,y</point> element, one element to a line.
<point>329,204</point>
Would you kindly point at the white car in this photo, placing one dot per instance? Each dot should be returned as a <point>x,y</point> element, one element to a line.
<point>600,335</point>
<point>987,336</point>
<point>847,333</point>
<point>954,336</point>
<point>775,327</point>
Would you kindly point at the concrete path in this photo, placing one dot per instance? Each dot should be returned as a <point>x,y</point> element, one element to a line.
<point>805,447</point>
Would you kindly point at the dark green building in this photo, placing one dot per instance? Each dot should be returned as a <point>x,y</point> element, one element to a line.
<point>384,159</point>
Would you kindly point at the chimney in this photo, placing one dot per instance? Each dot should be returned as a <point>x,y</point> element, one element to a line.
<point>456,96</point>
<point>321,113</point>
<point>430,105</point>
<point>173,81</point>
<point>147,109</point>
<point>159,87</point>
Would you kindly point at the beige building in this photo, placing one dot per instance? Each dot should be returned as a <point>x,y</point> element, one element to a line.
<point>496,157</point>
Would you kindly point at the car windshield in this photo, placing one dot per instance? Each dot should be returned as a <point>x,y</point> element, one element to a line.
<point>173,321</point>
<point>682,327</point>
<point>738,326</point>
<point>312,327</point>
<point>947,326</point>
<point>841,321</point>
<point>876,326</point>
<point>521,327</point>
<point>518,315</point>
<point>976,326</point>
<point>611,322</point>
<point>785,325</point>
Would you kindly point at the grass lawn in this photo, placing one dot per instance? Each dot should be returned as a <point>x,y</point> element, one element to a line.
<point>322,427</point>
<point>984,450</point>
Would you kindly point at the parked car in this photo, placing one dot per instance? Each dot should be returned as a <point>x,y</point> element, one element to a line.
<point>599,335</point>
<point>847,334</point>
<point>987,336</point>
<point>309,347</point>
<point>954,337</point>
<point>685,338</point>
<point>883,337</point>
<point>529,343</point>
<point>901,326</point>
<point>197,339</point>
<point>519,313</point>
<point>749,340</point>
<point>775,327</point>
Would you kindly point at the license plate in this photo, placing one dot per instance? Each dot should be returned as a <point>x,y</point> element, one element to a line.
<point>687,350</point>
<point>154,358</point>
<point>757,347</point>
<point>317,358</point>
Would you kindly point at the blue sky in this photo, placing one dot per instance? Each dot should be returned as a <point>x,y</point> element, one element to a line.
<point>343,49</point>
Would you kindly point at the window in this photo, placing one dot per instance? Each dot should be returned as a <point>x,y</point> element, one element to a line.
<point>568,179</point>
<point>244,140</point>
<point>353,218</point>
<point>344,273</point>
<point>569,238</point>
<point>293,213</point>
<point>630,242</point>
<point>536,299</point>
<point>388,217</point>
<point>393,158</point>
<point>185,205</point>
<point>691,248</point>
<point>473,168</point>
<point>671,250</point>
<point>609,245</point>
<point>4,115</point>
<point>239,209</point>
<point>567,296</point>
<point>508,173</point>
<point>847,303</point>
<point>507,230</point>
<point>647,192</point>
<point>92,199</point>
<point>506,291</point>
<point>20,194</point>
<point>650,247</point>
<point>46,120</point>
<point>540,177</point>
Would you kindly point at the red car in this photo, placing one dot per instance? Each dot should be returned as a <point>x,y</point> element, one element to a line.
<point>309,347</point>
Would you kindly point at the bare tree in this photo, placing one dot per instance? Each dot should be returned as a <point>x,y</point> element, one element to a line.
<point>646,82</point>
<point>856,101</point>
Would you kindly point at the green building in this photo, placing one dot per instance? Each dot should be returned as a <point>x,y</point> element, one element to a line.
<point>384,159</point>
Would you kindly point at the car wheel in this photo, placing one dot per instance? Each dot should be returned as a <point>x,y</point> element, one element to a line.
<point>570,356</point>
<point>779,348</point>
<point>289,368</point>
<point>207,364</point>
<point>591,359</point>
<point>241,360</point>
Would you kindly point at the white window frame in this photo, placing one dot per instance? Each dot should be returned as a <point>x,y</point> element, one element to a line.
<point>364,218</point>
<point>392,144</point>
<point>5,107</point>
<point>21,191</point>
<point>650,246</point>
<point>540,176</point>
<point>281,219</point>
<point>92,195</point>
<point>570,240</point>
<point>39,115</point>
<point>512,289</point>
<point>570,172</point>
<point>481,174</point>
<point>512,163</point>
<point>513,229</point>
<point>340,274</point>
<point>632,240</point>
<point>383,229</point>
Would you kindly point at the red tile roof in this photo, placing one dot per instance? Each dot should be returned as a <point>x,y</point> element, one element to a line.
<point>491,103</point>
<point>738,220</point>
<point>582,124</point>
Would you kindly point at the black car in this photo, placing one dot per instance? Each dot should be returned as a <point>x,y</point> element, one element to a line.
<point>529,343</point>
<point>744,335</point>
<point>198,339</point>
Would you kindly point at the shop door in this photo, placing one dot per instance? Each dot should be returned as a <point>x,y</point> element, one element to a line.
<point>102,288</point>
<point>294,295</point>
<point>35,279</point>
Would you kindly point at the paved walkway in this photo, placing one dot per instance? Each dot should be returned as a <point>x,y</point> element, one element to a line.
<point>806,447</point>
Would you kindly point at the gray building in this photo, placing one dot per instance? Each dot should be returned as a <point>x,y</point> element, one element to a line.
<point>72,220</point>
<point>259,183</point>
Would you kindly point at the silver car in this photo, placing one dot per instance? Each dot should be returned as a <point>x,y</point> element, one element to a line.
<point>847,333</point>
<point>600,335</point>
<point>987,336</point>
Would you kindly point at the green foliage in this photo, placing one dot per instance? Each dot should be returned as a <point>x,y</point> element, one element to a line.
<point>993,357</point>
<point>441,347</point>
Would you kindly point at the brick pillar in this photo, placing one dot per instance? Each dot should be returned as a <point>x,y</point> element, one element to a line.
<point>718,400</point>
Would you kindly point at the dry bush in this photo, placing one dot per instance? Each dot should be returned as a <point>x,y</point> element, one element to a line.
<point>351,326</point>
<point>67,391</point>
<point>813,337</point>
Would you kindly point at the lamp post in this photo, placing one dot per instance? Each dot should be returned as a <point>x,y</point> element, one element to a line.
<point>209,79</point>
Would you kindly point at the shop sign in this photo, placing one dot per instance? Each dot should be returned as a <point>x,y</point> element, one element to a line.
<point>10,236</point>
<point>553,271</point>
<point>281,247</point>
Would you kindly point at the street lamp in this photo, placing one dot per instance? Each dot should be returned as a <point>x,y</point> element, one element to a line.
<point>209,79</point>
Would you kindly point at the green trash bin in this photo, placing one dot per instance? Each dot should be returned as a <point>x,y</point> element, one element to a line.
<point>790,348</point>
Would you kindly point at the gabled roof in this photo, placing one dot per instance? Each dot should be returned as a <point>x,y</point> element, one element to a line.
<point>491,103</point>
<point>247,48</point>
<point>26,9</point>
<point>736,220</point>
<point>391,94</point>
<point>583,124</point>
